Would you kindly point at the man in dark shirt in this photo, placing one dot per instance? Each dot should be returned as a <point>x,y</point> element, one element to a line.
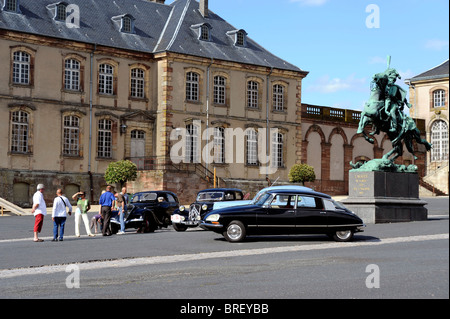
<point>106,203</point>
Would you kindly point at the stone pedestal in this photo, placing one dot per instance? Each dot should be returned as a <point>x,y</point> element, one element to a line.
<point>385,197</point>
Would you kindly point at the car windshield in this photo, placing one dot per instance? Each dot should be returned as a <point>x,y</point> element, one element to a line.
<point>210,196</point>
<point>144,197</point>
<point>338,205</point>
<point>262,199</point>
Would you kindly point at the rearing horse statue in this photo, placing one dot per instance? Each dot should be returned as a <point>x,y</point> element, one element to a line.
<point>385,112</point>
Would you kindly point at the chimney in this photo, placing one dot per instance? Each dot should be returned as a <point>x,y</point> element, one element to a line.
<point>157,1</point>
<point>204,8</point>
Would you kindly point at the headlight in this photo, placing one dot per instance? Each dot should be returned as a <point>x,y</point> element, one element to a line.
<point>205,207</point>
<point>181,208</point>
<point>213,218</point>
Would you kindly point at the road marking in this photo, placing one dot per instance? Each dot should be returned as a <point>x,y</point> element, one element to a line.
<point>122,263</point>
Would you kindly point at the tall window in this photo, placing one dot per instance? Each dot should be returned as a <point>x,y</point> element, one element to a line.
<point>252,94</point>
<point>106,79</point>
<point>61,14</point>
<point>104,143</point>
<point>219,90</point>
<point>278,97</point>
<point>127,24</point>
<point>71,144</point>
<point>19,132</point>
<point>192,138</point>
<point>240,38</point>
<point>252,147</point>
<point>204,33</point>
<point>439,139</point>
<point>192,86</point>
<point>219,145</point>
<point>277,149</point>
<point>138,83</point>
<point>21,68</point>
<point>72,75</point>
<point>439,98</point>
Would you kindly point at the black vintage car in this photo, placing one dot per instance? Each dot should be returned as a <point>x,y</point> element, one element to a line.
<point>185,217</point>
<point>148,211</point>
<point>285,211</point>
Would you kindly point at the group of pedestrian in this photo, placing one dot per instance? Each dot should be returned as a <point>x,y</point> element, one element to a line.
<point>62,207</point>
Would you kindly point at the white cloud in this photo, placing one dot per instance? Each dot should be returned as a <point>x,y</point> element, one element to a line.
<point>326,85</point>
<point>436,44</point>
<point>311,3</point>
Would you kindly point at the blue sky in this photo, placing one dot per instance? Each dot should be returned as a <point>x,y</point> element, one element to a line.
<point>330,39</point>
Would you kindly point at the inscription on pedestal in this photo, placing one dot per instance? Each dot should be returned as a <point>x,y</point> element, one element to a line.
<point>361,186</point>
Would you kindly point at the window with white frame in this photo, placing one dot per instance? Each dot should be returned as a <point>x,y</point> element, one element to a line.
<point>219,145</point>
<point>19,132</point>
<point>104,143</point>
<point>72,75</point>
<point>192,86</point>
<point>439,98</point>
<point>278,97</point>
<point>439,139</point>
<point>252,147</point>
<point>106,79</point>
<point>192,146</point>
<point>138,83</point>
<point>21,68</point>
<point>220,83</point>
<point>277,150</point>
<point>71,142</point>
<point>252,94</point>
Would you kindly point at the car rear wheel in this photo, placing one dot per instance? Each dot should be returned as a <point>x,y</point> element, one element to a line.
<point>235,232</point>
<point>343,235</point>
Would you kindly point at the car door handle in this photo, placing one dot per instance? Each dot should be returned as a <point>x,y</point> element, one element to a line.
<point>290,211</point>
<point>323,212</point>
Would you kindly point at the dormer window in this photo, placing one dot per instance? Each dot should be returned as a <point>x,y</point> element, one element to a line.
<point>239,37</point>
<point>125,23</point>
<point>61,14</point>
<point>11,6</point>
<point>203,31</point>
<point>58,11</point>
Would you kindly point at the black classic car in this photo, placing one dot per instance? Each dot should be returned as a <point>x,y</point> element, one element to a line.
<point>285,210</point>
<point>148,211</point>
<point>186,217</point>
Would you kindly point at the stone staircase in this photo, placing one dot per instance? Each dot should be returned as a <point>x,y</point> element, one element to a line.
<point>8,209</point>
<point>431,188</point>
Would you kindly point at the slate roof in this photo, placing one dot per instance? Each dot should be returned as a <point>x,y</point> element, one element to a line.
<point>158,28</point>
<point>439,72</point>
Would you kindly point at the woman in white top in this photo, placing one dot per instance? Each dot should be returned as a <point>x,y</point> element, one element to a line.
<point>39,210</point>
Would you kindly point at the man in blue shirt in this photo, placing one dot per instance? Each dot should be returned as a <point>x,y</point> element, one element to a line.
<point>106,203</point>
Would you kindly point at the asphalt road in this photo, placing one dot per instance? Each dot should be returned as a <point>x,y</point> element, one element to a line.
<point>387,261</point>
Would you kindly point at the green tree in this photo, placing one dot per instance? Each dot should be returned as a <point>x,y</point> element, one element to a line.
<point>120,172</point>
<point>301,173</point>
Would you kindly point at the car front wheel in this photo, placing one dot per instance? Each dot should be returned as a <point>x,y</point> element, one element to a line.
<point>343,235</point>
<point>235,232</point>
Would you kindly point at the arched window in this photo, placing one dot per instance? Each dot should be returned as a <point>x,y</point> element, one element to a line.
<point>277,147</point>
<point>278,98</point>
<point>61,13</point>
<point>204,33</point>
<point>220,84</point>
<point>439,139</point>
<point>252,94</point>
<point>106,79</point>
<point>219,145</point>
<point>252,147</point>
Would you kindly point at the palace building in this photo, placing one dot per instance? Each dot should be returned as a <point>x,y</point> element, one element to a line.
<point>86,83</point>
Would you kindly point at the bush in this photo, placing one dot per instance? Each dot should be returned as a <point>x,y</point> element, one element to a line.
<point>301,173</point>
<point>120,172</point>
